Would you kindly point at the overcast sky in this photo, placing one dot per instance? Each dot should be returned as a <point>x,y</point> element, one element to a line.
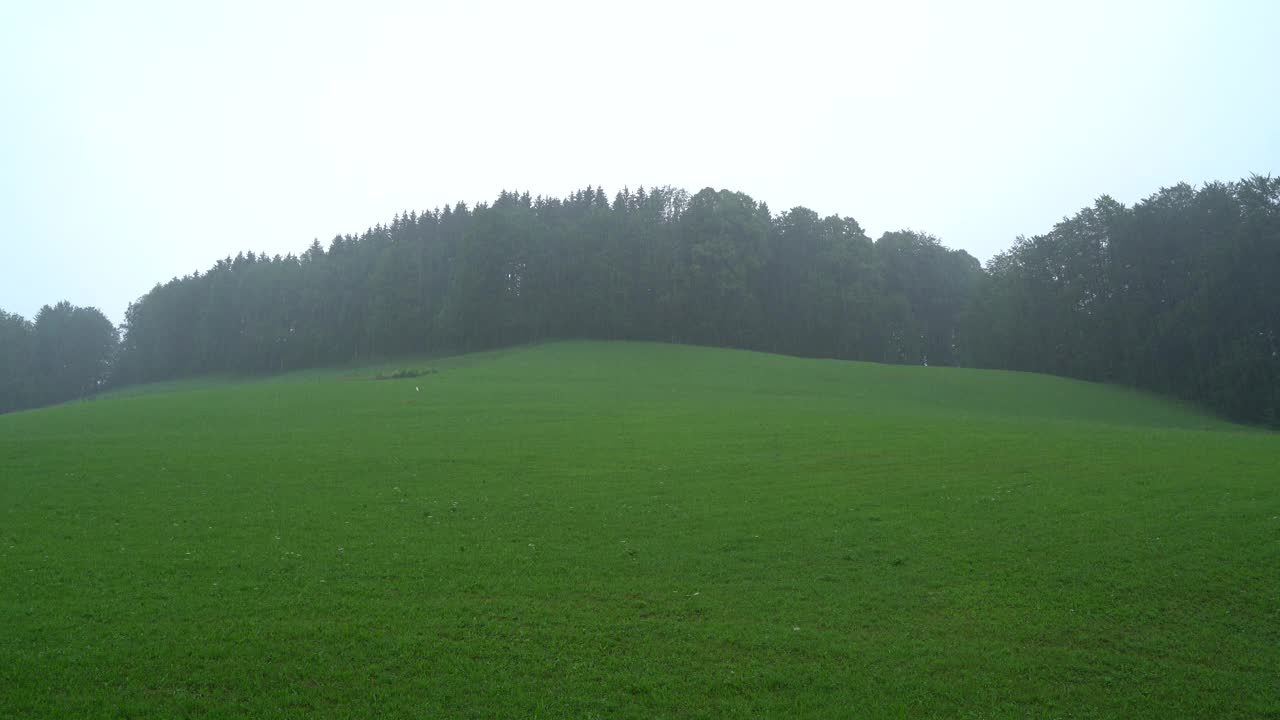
<point>140,141</point>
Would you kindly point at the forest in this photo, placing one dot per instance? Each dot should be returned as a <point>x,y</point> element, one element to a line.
<point>1175,295</point>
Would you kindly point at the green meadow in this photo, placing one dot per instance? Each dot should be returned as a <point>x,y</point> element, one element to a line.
<point>629,530</point>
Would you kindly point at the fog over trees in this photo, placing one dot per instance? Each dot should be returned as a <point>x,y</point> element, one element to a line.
<point>64,354</point>
<point>1174,294</point>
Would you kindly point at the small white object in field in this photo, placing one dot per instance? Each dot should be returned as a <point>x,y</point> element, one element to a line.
<point>417,389</point>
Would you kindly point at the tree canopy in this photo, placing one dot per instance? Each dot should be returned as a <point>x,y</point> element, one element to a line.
<point>1176,295</point>
<point>1173,294</point>
<point>65,354</point>
<point>715,268</point>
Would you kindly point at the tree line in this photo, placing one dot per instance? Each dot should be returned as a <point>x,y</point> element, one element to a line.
<point>65,354</point>
<point>1176,294</point>
<point>1170,294</point>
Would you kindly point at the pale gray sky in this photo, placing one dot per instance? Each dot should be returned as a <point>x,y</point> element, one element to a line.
<point>139,141</point>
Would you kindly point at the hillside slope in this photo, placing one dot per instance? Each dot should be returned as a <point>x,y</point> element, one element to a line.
<point>638,530</point>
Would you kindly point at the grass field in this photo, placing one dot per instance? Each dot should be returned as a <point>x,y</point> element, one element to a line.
<point>594,530</point>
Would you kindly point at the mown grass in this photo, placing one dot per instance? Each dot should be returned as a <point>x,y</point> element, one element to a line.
<point>628,530</point>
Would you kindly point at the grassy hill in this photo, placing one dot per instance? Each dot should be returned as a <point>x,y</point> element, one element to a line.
<point>632,530</point>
